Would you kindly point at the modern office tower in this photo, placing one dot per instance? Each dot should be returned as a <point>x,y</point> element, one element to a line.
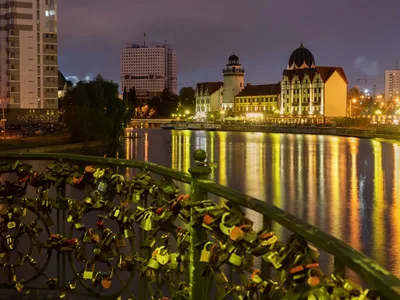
<point>149,69</point>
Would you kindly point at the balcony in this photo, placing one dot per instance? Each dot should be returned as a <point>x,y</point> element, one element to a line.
<point>85,231</point>
<point>224,71</point>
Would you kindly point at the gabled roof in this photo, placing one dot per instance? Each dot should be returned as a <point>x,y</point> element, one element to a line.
<point>260,90</point>
<point>326,73</point>
<point>61,81</point>
<point>211,87</point>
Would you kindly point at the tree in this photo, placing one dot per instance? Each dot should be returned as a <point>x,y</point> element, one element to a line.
<point>187,98</point>
<point>94,112</point>
<point>354,93</point>
<point>164,105</point>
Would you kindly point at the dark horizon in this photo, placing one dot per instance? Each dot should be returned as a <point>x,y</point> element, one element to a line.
<point>356,36</point>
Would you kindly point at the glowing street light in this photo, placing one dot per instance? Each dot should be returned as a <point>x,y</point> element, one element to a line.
<point>187,112</point>
<point>378,112</point>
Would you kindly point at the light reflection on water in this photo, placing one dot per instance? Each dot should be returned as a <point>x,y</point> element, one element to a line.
<point>347,187</point>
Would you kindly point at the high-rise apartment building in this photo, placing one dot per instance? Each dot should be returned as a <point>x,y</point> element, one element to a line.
<point>28,53</point>
<point>392,85</point>
<point>149,69</point>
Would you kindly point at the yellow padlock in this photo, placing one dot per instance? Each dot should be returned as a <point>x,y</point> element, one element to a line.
<point>89,270</point>
<point>225,230</point>
<point>206,253</point>
<point>235,259</point>
<point>162,255</point>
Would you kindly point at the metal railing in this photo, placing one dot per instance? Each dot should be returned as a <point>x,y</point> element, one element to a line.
<point>375,276</point>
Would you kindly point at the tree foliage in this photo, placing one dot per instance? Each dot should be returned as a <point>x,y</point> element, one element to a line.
<point>95,113</point>
<point>164,105</point>
<point>187,98</point>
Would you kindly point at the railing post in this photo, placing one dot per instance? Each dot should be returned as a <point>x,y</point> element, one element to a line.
<point>199,171</point>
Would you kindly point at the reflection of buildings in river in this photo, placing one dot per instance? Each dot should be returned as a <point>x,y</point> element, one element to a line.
<point>354,206</point>
<point>276,177</point>
<point>254,179</point>
<point>222,163</point>
<point>335,203</point>
<point>395,211</point>
<point>211,152</point>
<point>180,154</point>
<point>378,206</point>
<point>146,146</point>
<point>300,178</point>
<point>292,208</point>
<point>312,175</point>
<point>321,183</point>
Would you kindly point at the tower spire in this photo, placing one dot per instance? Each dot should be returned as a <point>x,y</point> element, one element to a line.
<point>144,38</point>
<point>301,42</point>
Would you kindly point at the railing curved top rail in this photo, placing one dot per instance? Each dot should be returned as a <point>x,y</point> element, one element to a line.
<point>174,174</point>
<point>366,268</point>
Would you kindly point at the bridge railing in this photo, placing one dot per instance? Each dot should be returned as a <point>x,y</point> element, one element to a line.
<point>187,248</point>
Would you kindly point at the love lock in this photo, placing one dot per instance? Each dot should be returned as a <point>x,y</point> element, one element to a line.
<point>235,259</point>
<point>255,277</point>
<point>225,230</point>
<point>237,233</point>
<point>93,235</point>
<point>89,270</point>
<point>106,279</point>
<point>99,173</point>
<point>153,264</point>
<point>162,256</point>
<point>206,253</point>
<point>147,223</point>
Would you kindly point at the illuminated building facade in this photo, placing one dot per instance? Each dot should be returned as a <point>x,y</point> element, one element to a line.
<point>233,81</point>
<point>29,54</point>
<point>149,69</point>
<point>392,85</point>
<point>310,91</point>
<point>208,97</point>
<point>258,101</point>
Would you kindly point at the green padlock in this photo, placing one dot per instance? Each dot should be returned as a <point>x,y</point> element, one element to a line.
<point>128,233</point>
<point>147,222</point>
<point>225,230</point>
<point>206,253</point>
<point>173,263</point>
<point>89,270</point>
<point>235,259</point>
<point>152,263</point>
<point>162,255</point>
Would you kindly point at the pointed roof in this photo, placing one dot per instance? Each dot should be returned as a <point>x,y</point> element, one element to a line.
<point>211,87</point>
<point>326,73</point>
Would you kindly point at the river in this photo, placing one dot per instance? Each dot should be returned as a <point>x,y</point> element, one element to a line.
<point>347,187</point>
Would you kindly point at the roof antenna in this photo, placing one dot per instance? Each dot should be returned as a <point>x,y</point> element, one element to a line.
<point>301,42</point>
<point>144,38</point>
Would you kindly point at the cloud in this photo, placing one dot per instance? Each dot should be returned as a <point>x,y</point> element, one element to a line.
<point>368,67</point>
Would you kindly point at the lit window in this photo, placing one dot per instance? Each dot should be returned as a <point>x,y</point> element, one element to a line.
<point>47,13</point>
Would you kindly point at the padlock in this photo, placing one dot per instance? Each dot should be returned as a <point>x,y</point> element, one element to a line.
<point>273,258</point>
<point>71,285</point>
<point>11,273</point>
<point>206,253</point>
<point>106,279</point>
<point>224,229</point>
<point>88,273</point>
<point>161,255</point>
<point>149,242</point>
<point>10,242</point>
<point>93,235</point>
<point>237,233</point>
<point>235,259</point>
<point>255,277</point>
<point>152,263</point>
<point>250,236</point>
<point>99,173</point>
<point>220,277</point>
<point>173,263</point>
<point>129,233</point>
<point>19,287</point>
<point>147,222</point>
<point>96,279</point>
<point>79,226</point>
<point>87,238</point>
<point>120,241</point>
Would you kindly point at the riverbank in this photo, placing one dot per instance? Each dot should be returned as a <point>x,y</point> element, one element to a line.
<point>55,142</point>
<point>347,132</point>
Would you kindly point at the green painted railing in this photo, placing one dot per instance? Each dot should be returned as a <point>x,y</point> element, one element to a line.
<point>375,276</point>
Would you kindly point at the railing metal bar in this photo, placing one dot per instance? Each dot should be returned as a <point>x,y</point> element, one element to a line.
<point>366,268</point>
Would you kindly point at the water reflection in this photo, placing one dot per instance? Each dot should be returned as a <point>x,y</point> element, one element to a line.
<point>345,186</point>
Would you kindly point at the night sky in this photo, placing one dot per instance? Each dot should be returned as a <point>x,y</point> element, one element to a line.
<point>361,36</point>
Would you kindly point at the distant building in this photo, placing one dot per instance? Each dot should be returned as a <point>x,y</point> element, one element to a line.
<point>62,85</point>
<point>233,81</point>
<point>208,97</point>
<point>392,85</point>
<point>310,91</point>
<point>28,54</point>
<point>149,69</point>
<point>258,101</point>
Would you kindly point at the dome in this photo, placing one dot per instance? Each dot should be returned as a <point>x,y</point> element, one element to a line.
<point>233,60</point>
<point>301,58</point>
